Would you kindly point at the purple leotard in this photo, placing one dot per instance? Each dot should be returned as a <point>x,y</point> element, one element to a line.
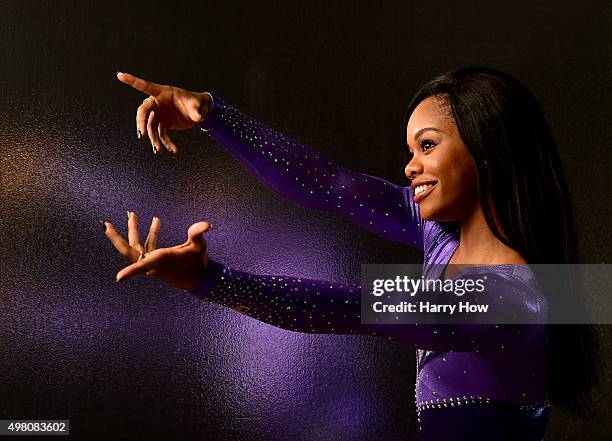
<point>473,381</point>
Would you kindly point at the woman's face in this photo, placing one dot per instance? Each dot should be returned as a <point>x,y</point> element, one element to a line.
<point>442,159</point>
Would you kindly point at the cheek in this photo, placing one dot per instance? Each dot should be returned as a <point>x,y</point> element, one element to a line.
<point>458,177</point>
<point>467,169</point>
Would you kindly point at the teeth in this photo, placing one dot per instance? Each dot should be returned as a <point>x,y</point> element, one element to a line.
<point>422,188</point>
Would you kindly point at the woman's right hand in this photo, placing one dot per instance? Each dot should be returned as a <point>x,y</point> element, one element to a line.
<point>166,107</point>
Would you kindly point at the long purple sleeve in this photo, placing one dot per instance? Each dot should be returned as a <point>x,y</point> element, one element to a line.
<point>309,179</point>
<point>457,364</point>
<point>322,307</point>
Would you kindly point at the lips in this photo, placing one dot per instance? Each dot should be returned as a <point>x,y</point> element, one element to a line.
<point>421,191</point>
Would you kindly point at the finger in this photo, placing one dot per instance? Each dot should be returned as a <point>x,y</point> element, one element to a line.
<point>163,134</point>
<point>151,242</point>
<point>195,234</point>
<point>120,243</point>
<point>143,266</point>
<point>144,86</point>
<point>133,235</point>
<point>152,131</point>
<point>142,114</point>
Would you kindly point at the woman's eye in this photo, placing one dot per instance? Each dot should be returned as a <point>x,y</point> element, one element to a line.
<point>426,144</point>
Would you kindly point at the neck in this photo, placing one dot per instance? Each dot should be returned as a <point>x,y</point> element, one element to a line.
<point>478,244</point>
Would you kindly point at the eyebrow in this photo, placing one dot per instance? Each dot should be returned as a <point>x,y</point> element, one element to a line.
<point>423,130</point>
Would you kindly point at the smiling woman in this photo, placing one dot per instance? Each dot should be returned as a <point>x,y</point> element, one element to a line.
<point>486,184</point>
<point>519,201</point>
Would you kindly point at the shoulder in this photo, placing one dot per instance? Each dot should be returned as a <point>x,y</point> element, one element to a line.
<point>513,289</point>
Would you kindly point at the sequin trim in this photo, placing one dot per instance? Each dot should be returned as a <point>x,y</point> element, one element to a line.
<point>441,403</point>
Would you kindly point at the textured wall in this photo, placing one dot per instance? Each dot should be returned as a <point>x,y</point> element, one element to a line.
<point>144,361</point>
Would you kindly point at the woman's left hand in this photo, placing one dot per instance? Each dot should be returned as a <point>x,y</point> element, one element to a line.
<point>182,266</point>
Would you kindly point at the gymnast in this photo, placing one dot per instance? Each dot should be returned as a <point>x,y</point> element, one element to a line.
<point>486,187</point>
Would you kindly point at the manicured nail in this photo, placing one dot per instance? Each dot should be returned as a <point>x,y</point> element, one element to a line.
<point>103,226</point>
<point>118,72</point>
<point>154,148</point>
<point>128,215</point>
<point>118,279</point>
<point>139,134</point>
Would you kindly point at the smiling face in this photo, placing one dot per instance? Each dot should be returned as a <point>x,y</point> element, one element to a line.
<point>441,158</point>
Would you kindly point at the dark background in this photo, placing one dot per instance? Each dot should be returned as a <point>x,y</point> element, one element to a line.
<point>141,360</point>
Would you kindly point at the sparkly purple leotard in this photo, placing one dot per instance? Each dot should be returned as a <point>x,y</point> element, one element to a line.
<point>473,381</point>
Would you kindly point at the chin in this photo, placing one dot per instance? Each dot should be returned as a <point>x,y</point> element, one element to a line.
<point>434,212</point>
<point>428,214</point>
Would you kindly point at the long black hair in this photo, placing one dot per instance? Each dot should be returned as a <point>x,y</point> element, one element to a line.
<point>525,200</point>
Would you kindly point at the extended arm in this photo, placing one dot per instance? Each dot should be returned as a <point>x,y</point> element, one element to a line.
<point>311,180</point>
<point>316,306</point>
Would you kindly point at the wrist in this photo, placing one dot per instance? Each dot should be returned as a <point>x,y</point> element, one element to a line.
<point>214,112</point>
<point>206,103</point>
<point>209,280</point>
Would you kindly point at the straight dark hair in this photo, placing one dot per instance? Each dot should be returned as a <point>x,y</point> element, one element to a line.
<point>522,190</point>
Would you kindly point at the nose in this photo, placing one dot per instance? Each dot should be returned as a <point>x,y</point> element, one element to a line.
<point>413,168</point>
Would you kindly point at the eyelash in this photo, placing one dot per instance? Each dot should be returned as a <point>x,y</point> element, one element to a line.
<point>410,155</point>
<point>426,141</point>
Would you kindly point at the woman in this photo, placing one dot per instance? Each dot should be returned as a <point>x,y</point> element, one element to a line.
<point>486,187</point>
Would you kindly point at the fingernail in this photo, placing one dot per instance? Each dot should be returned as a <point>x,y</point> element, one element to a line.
<point>139,134</point>
<point>128,215</point>
<point>154,148</point>
<point>117,280</point>
<point>103,226</point>
<point>118,72</point>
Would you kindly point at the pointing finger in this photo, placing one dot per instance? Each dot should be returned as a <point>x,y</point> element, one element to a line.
<point>145,86</point>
